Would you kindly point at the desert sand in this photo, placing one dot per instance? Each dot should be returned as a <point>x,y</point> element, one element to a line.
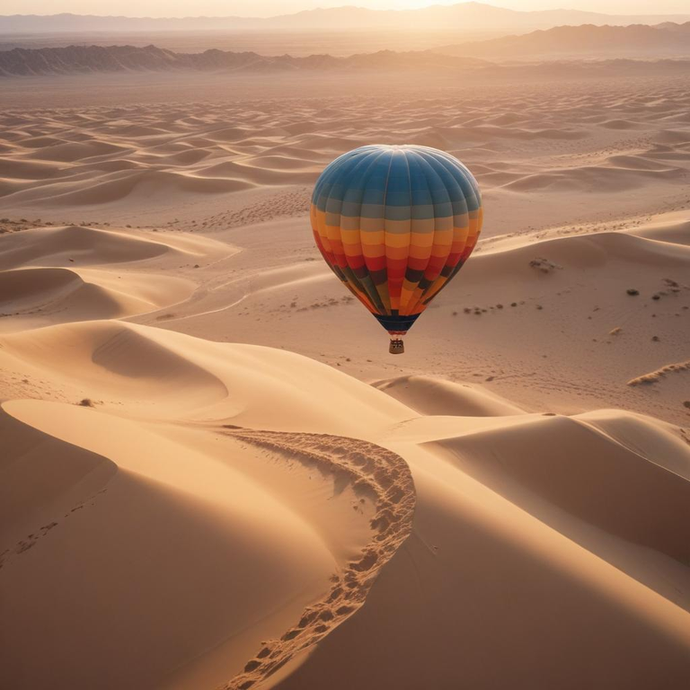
<point>213,475</point>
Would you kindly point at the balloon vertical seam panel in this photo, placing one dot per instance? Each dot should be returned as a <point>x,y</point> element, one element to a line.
<point>396,224</point>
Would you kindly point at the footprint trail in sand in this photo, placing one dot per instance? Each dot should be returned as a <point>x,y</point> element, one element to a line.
<point>371,469</point>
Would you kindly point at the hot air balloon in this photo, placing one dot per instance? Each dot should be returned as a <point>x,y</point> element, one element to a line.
<point>395,224</point>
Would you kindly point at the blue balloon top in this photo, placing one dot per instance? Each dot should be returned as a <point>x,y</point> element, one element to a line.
<point>396,183</point>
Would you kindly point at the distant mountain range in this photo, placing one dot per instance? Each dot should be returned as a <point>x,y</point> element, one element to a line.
<point>75,60</point>
<point>468,16</point>
<point>90,59</point>
<point>592,41</point>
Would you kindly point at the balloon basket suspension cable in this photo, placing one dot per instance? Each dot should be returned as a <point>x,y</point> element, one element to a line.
<point>397,346</point>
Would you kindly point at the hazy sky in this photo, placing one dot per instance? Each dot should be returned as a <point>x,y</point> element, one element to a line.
<point>255,8</point>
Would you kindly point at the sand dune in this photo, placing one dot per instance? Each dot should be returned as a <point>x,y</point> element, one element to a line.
<point>170,486</point>
<point>449,621</point>
<point>596,179</point>
<point>88,246</point>
<point>430,396</point>
<point>44,277</point>
<point>214,536</point>
<point>674,228</point>
<point>576,140</point>
<point>567,481</point>
<point>37,296</point>
<point>190,374</point>
<point>480,490</point>
<point>525,320</point>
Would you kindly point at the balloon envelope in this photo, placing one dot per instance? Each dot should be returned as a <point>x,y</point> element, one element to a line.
<point>395,224</point>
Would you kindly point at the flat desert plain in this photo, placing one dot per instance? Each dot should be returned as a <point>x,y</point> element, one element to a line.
<point>214,475</point>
